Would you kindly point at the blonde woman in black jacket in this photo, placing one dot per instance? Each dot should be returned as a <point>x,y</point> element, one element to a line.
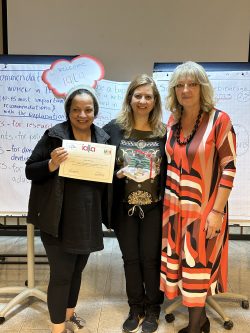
<point>138,186</point>
<point>68,212</point>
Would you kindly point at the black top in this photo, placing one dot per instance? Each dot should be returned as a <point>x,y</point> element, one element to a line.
<point>75,231</point>
<point>141,154</point>
<point>73,234</point>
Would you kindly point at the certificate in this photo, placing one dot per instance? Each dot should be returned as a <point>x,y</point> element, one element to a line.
<point>88,161</point>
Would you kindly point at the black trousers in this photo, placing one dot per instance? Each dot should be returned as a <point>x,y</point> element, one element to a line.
<point>65,281</point>
<point>140,244</point>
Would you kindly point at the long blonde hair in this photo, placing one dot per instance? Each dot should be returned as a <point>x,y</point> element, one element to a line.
<point>197,73</point>
<point>125,118</point>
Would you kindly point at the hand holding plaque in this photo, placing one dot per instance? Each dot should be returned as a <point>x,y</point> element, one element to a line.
<point>139,166</point>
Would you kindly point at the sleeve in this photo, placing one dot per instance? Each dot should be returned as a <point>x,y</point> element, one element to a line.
<point>113,130</point>
<point>108,127</point>
<point>226,147</point>
<point>106,206</point>
<point>37,164</point>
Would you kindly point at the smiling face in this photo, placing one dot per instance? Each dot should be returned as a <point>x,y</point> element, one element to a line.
<point>142,101</point>
<point>188,92</point>
<point>81,114</point>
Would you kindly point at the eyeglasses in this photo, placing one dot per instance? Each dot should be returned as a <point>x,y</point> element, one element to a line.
<point>190,85</point>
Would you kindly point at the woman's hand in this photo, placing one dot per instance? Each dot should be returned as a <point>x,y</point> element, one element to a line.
<point>213,224</point>
<point>120,174</point>
<point>58,156</point>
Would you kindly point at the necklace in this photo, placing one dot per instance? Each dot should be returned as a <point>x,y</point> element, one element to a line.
<point>191,135</point>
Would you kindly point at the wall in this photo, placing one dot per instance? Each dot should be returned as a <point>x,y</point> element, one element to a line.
<point>129,36</point>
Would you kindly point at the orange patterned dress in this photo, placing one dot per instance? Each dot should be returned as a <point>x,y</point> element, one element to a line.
<point>192,265</point>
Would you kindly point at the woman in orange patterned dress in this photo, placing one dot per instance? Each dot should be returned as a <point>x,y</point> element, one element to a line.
<point>201,154</point>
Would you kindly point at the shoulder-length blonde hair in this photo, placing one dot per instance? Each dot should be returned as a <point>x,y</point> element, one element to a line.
<point>198,74</point>
<point>125,118</point>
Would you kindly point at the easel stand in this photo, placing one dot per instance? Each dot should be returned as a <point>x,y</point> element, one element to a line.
<point>30,290</point>
<point>228,324</point>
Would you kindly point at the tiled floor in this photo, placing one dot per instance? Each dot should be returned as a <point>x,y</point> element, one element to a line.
<point>102,300</point>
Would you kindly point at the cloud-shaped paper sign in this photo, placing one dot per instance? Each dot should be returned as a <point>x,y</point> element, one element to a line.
<point>64,75</point>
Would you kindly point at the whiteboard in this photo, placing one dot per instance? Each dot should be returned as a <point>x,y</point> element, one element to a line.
<point>231,82</point>
<point>27,109</point>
